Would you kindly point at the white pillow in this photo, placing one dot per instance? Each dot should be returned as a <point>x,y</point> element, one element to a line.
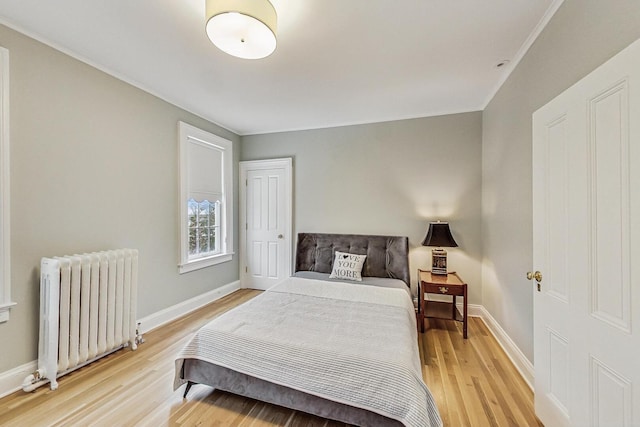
<point>347,266</point>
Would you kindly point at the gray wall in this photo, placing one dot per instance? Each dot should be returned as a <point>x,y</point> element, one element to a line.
<point>388,178</point>
<point>93,166</point>
<point>582,35</point>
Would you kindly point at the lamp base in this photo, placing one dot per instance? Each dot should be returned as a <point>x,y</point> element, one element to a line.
<point>439,261</point>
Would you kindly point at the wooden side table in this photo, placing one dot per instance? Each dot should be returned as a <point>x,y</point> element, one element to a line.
<point>450,284</point>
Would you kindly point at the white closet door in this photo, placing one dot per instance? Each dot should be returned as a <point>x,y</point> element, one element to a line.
<point>266,217</point>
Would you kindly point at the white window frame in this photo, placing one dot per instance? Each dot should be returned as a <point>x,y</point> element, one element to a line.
<point>5,229</point>
<point>188,135</point>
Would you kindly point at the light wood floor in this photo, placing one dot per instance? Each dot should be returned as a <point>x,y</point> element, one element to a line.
<point>472,381</point>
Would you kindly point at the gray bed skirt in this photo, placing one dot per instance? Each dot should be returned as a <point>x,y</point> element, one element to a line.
<point>221,378</point>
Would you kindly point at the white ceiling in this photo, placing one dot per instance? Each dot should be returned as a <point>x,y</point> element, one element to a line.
<point>337,61</point>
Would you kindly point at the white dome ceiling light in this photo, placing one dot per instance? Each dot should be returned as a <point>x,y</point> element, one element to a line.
<point>242,28</point>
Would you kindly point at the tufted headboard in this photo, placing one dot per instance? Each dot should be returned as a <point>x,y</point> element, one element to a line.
<point>387,256</point>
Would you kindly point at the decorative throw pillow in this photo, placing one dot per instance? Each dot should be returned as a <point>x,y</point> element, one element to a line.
<point>348,266</point>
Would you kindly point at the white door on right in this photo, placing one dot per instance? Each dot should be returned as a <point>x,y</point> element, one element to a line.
<point>586,198</point>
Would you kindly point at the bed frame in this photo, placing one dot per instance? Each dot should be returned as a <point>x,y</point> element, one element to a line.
<point>387,257</point>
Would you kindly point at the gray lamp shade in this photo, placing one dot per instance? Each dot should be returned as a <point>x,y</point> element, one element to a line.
<point>439,235</point>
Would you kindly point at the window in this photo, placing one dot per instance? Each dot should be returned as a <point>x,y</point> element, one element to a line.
<point>204,227</point>
<point>206,199</point>
<point>5,273</point>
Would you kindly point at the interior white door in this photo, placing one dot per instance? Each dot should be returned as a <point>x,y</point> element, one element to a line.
<point>266,216</point>
<point>586,195</point>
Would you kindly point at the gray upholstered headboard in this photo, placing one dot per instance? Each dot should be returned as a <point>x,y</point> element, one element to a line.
<point>387,256</point>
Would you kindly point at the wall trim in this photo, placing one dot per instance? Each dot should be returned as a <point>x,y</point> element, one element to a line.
<point>551,10</point>
<point>517,357</point>
<point>473,310</point>
<point>11,380</point>
<point>169,314</point>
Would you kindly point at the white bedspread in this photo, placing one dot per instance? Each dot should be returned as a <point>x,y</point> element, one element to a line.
<point>352,344</point>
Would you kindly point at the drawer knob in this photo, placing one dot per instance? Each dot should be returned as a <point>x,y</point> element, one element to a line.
<point>443,290</point>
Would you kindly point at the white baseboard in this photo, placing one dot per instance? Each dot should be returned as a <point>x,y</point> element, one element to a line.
<point>171,313</point>
<point>11,381</point>
<point>519,360</point>
<point>473,310</point>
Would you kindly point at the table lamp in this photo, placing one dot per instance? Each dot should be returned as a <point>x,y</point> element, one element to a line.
<point>440,236</point>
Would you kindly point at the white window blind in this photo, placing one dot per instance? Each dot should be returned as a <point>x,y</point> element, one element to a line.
<point>205,171</point>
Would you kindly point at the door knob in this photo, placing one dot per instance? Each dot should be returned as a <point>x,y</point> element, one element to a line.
<point>280,236</point>
<point>537,275</point>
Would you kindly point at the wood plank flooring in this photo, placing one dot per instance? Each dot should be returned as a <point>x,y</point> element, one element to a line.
<point>472,380</point>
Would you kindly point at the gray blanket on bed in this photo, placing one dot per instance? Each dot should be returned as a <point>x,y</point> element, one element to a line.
<point>347,343</point>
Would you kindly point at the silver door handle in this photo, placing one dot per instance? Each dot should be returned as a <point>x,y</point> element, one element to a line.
<point>280,236</point>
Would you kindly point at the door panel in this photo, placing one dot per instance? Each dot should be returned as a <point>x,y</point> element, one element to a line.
<point>559,370</point>
<point>611,396</point>
<point>609,162</point>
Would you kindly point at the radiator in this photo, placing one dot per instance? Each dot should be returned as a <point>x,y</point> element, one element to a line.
<point>87,310</point>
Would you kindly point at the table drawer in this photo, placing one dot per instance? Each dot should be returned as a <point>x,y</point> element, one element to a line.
<point>443,289</point>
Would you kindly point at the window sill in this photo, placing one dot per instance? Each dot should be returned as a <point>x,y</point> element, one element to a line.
<point>4,311</point>
<point>204,262</point>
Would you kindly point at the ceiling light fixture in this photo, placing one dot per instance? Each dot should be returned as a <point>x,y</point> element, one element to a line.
<point>242,28</point>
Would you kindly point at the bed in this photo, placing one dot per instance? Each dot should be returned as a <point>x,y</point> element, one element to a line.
<point>337,349</point>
